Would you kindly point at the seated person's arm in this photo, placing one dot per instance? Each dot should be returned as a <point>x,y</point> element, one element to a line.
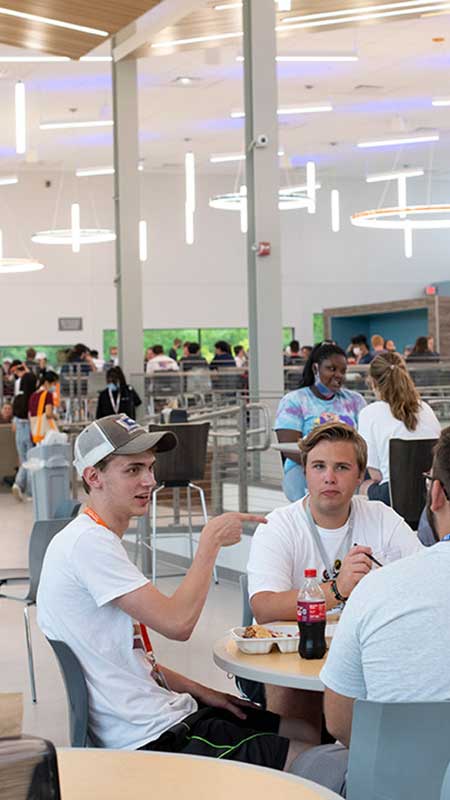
<point>205,695</point>
<point>272,606</point>
<point>285,435</point>
<point>338,714</point>
<point>176,616</point>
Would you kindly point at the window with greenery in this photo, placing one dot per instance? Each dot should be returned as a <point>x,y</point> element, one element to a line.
<point>54,353</point>
<point>205,336</point>
<point>318,328</point>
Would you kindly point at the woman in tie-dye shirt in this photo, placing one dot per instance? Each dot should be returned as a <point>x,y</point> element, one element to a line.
<point>321,398</point>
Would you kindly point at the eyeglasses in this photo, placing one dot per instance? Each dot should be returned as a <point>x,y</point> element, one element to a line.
<point>429,480</point>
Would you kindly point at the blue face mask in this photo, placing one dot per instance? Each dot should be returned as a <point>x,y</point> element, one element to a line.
<point>51,389</point>
<point>325,391</point>
<point>112,387</point>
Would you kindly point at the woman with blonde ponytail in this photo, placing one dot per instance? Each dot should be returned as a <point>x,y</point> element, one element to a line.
<point>398,412</point>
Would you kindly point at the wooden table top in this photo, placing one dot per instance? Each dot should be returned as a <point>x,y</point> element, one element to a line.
<point>96,774</point>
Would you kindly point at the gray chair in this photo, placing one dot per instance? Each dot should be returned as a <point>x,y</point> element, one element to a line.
<point>408,460</point>
<point>177,469</point>
<point>41,535</point>
<point>67,509</point>
<point>445,790</point>
<point>77,694</point>
<point>250,690</point>
<point>398,751</point>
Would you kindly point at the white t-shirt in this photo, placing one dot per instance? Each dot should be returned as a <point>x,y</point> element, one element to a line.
<point>161,363</point>
<point>377,426</point>
<point>85,568</point>
<point>282,549</point>
<point>393,639</point>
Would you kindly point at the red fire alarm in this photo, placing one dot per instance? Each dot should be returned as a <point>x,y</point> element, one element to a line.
<point>430,290</point>
<point>263,249</point>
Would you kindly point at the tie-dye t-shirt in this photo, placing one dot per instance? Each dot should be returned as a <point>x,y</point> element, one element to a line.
<point>301,411</point>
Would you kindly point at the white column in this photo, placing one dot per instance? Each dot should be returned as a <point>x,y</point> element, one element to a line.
<point>262,167</point>
<point>128,267</point>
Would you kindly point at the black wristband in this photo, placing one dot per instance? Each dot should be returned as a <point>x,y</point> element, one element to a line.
<point>336,592</point>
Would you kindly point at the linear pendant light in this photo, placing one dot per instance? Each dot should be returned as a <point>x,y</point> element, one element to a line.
<point>21,138</point>
<point>143,250</point>
<point>189,163</point>
<point>56,23</point>
<point>405,140</point>
<point>93,123</point>
<point>335,211</point>
<point>76,233</point>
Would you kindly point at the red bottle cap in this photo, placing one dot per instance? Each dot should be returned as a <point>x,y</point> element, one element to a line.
<point>310,573</point>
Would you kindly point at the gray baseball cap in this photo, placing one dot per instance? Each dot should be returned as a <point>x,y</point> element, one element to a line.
<point>120,435</point>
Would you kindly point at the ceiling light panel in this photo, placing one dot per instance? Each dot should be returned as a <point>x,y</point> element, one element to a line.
<point>99,123</point>
<point>56,23</point>
<point>377,177</point>
<point>397,142</point>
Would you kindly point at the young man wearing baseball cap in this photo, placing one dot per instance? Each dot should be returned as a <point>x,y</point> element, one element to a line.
<point>93,598</point>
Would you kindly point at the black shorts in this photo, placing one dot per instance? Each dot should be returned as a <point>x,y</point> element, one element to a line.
<point>217,733</point>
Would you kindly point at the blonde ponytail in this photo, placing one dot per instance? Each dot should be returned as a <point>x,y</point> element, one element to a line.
<point>390,376</point>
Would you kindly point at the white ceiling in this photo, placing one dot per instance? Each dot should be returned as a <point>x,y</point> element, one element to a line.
<point>399,71</point>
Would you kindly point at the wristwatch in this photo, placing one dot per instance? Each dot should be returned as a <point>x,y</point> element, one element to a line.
<point>337,593</point>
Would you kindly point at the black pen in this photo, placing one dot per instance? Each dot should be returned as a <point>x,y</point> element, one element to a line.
<point>372,558</point>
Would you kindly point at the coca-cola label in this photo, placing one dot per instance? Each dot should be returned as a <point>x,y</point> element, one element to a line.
<point>311,612</point>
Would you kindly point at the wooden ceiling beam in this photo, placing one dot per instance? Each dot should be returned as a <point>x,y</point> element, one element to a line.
<point>164,15</point>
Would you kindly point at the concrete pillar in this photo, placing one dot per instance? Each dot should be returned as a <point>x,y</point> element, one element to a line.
<point>128,278</point>
<point>262,168</point>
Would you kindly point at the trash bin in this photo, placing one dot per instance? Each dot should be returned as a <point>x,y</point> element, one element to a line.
<point>49,467</point>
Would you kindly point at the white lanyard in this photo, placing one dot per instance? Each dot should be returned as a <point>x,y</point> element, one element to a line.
<point>318,540</point>
<point>114,403</point>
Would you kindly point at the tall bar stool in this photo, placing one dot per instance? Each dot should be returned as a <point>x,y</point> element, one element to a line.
<point>178,469</point>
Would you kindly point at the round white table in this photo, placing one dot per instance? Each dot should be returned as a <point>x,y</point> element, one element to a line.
<point>91,774</point>
<point>278,669</point>
<point>286,447</point>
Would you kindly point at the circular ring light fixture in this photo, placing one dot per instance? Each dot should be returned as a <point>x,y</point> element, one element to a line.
<point>11,265</point>
<point>382,218</point>
<point>288,200</point>
<point>64,236</point>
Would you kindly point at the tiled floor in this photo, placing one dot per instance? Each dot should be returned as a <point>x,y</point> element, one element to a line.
<point>48,718</point>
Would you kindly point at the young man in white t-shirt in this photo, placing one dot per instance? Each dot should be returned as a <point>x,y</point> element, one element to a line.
<point>93,598</point>
<point>328,522</point>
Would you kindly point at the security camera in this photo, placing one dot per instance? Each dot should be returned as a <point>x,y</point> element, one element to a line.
<point>262,140</point>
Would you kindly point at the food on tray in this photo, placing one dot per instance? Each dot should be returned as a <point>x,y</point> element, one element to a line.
<point>260,632</point>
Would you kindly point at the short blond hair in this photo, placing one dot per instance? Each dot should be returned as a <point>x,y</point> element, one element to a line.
<point>377,340</point>
<point>334,432</point>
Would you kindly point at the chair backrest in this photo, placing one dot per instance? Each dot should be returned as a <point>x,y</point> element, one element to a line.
<point>408,460</point>
<point>41,535</point>
<point>76,690</point>
<point>398,751</point>
<point>445,790</point>
<point>247,613</point>
<point>166,383</point>
<point>197,381</point>
<point>187,461</point>
<point>67,509</point>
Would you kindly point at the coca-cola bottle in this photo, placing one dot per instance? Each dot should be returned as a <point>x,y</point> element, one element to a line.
<point>311,617</point>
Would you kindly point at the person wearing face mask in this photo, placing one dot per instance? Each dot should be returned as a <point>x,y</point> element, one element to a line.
<point>321,398</point>
<point>118,397</point>
<point>393,639</point>
<point>361,350</point>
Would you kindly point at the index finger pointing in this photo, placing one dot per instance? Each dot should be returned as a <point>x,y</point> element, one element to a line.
<point>252,518</point>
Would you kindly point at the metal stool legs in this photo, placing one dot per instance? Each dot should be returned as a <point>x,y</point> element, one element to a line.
<point>26,617</point>
<point>190,533</point>
<point>205,517</point>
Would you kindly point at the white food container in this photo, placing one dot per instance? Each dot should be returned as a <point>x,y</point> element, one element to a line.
<point>285,643</point>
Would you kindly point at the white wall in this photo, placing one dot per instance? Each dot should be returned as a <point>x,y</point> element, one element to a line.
<point>203,285</point>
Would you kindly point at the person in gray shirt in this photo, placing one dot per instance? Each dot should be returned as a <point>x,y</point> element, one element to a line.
<point>394,626</point>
